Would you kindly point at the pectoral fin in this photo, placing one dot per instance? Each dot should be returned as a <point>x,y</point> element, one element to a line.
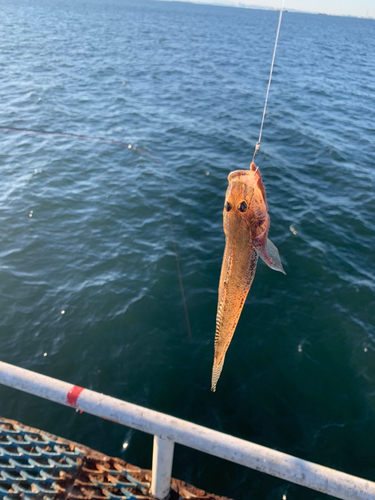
<point>270,255</point>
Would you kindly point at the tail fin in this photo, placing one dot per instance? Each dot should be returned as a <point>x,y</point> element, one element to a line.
<point>216,371</point>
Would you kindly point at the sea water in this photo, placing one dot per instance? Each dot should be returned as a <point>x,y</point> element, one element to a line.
<point>89,288</point>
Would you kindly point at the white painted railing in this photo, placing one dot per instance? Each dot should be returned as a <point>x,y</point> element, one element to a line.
<point>168,430</point>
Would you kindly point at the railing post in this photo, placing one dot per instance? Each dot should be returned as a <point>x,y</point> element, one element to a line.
<point>162,458</point>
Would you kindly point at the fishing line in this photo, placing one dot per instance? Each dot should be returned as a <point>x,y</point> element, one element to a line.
<point>9,130</point>
<point>27,131</point>
<point>269,82</point>
<point>175,253</point>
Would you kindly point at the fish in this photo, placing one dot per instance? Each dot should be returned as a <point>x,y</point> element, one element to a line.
<point>246,224</point>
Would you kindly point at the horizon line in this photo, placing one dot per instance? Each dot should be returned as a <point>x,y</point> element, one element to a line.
<point>241,5</point>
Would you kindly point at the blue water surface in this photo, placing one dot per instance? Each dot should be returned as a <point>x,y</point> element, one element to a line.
<point>85,226</point>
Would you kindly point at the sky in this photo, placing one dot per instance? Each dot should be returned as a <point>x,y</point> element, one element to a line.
<point>357,8</point>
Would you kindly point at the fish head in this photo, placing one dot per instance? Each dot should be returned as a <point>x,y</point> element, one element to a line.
<point>246,216</point>
<point>245,205</point>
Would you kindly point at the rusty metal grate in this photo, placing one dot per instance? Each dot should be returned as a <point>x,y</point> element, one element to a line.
<point>36,465</point>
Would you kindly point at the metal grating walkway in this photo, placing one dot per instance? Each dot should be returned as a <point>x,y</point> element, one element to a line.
<point>35,465</point>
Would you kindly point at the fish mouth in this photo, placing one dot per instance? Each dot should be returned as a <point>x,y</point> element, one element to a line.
<point>236,174</point>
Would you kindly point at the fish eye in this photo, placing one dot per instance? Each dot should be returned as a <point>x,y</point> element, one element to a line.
<point>228,206</point>
<point>242,206</point>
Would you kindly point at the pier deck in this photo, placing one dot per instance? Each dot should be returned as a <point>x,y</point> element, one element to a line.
<point>36,465</point>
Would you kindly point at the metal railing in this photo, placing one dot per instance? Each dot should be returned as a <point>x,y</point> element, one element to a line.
<point>168,430</point>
